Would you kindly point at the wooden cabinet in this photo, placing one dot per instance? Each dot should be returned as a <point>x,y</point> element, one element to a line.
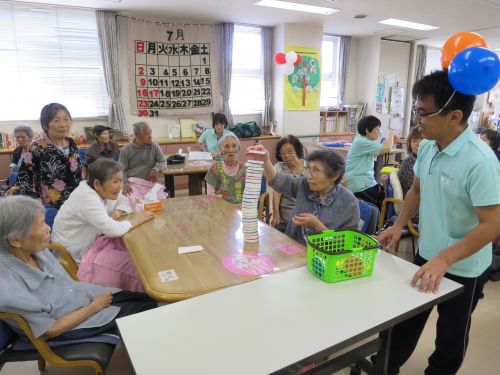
<point>334,121</point>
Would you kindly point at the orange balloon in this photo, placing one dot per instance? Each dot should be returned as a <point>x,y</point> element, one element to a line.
<point>458,43</point>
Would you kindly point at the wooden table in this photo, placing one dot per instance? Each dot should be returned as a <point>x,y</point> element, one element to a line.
<point>279,324</point>
<point>195,169</point>
<point>200,220</point>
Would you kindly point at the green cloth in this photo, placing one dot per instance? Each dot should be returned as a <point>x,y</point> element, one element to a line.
<point>230,187</point>
<point>359,171</point>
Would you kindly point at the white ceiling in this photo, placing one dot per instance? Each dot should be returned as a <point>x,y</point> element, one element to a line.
<point>482,16</point>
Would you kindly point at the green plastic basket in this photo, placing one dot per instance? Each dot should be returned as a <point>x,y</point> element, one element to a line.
<point>341,255</point>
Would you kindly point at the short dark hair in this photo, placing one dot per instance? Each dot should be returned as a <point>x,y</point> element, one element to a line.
<point>99,129</point>
<point>102,170</point>
<point>368,123</point>
<point>438,87</point>
<point>292,140</point>
<point>219,118</point>
<point>331,161</point>
<point>48,113</point>
<point>414,134</point>
<point>493,136</point>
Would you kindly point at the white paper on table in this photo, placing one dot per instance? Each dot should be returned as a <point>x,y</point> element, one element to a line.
<point>200,155</point>
<point>168,275</point>
<point>189,249</point>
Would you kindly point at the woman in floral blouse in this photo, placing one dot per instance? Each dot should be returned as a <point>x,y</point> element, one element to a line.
<point>227,178</point>
<point>51,169</point>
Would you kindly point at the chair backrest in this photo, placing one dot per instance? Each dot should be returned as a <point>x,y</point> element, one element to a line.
<point>369,215</point>
<point>65,259</point>
<point>50,214</point>
<point>398,190</point>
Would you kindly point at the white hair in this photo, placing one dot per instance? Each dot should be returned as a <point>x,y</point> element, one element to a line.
<point>227,135</point>
<point>17,216</point>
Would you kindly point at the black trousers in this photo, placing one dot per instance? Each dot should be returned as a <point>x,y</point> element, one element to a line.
<point>129,303</point>
<point>374,195</point>
<point>452,330</point>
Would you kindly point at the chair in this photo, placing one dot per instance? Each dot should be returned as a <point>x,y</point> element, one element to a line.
<point>369,214</point>
<point>397,202</point>
<point>65,259</point>
<point>90,354</point>
<point>264,210</point>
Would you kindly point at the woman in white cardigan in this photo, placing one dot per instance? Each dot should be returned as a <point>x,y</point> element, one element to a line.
<point>92,210</point>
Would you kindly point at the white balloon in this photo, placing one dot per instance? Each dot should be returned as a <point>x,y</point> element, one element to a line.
<point>289,68</point>
<point>291,57</point>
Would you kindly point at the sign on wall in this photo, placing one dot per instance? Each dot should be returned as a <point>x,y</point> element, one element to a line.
<point>303,86</point>
<point>172,69</point>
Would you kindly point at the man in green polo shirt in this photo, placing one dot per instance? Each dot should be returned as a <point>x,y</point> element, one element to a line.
<point>457,193</point>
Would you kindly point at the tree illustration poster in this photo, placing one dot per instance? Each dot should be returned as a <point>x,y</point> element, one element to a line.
<point>303,86</point>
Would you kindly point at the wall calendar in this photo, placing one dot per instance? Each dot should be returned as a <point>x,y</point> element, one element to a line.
<point>172,69</point>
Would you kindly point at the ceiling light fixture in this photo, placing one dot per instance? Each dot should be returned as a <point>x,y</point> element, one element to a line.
<point>407,24</point>
<point>295,6</point>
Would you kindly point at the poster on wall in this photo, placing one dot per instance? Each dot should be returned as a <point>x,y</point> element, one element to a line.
<point>380,99</point>
<point>303,86</point>
<point>396,106</point>
<point>172,69</point>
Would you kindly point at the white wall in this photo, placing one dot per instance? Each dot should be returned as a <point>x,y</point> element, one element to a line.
<point>394,59</point>
<point>367,68</point>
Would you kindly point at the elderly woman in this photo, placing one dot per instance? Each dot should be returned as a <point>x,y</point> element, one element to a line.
<point>227,178</point>
<point>35,286</point>
<point>405,173</point>
<point>23,135</point>
<point>102,146</point>
<point>365,147</point>
<point>92,210</point>
<point>492,138</point>
<point>321,202</point>
<point>290,154</point>
<point>210,137</point>
<point>51,168</point>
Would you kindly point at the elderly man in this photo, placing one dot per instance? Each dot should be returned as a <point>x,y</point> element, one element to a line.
<point>141,158</point>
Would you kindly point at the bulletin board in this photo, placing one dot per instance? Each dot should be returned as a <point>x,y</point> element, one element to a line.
<point>172,69</point>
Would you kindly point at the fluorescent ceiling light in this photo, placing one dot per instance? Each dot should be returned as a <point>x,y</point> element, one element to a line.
<point>407,24</point>
<point>296,6</point>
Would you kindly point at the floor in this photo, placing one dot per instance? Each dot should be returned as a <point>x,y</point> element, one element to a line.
<point>482,356</point>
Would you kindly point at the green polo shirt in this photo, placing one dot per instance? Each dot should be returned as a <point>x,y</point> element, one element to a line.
<point>210,140</point>
<point>360,161</point>
<point>464,175</point>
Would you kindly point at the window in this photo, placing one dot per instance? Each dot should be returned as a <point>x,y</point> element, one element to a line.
<point>330,71</point>
<point>433,60</point>
<point>247,81</point>
<point>49,54</point>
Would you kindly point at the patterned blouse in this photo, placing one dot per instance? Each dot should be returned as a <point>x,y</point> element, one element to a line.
<point>50,172</point>
<point>230,187</point>
<point>406,174</point>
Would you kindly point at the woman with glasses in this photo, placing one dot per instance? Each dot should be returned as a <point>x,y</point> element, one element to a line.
<point>226,178</point>
<point>360,174</point>
<point>321,202</point>
<point>290,154</point>
<point>51,169</point>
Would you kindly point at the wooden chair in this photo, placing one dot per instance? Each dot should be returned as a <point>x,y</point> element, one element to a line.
<point>264,210</point>
<point>397,201</point>
<point>65,259</point>
<point>89,354</point>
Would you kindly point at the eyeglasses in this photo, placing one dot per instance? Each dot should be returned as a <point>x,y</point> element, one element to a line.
<point>424,116</point>
<point>285,153</point>
<point>313,171</point>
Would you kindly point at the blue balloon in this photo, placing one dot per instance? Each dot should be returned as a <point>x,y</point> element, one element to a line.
<point>474,70</point>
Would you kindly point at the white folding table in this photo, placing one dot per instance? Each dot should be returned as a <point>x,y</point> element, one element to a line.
<point>279,323</point>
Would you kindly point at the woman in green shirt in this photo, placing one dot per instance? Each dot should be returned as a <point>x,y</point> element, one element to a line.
<point>359,173</point>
